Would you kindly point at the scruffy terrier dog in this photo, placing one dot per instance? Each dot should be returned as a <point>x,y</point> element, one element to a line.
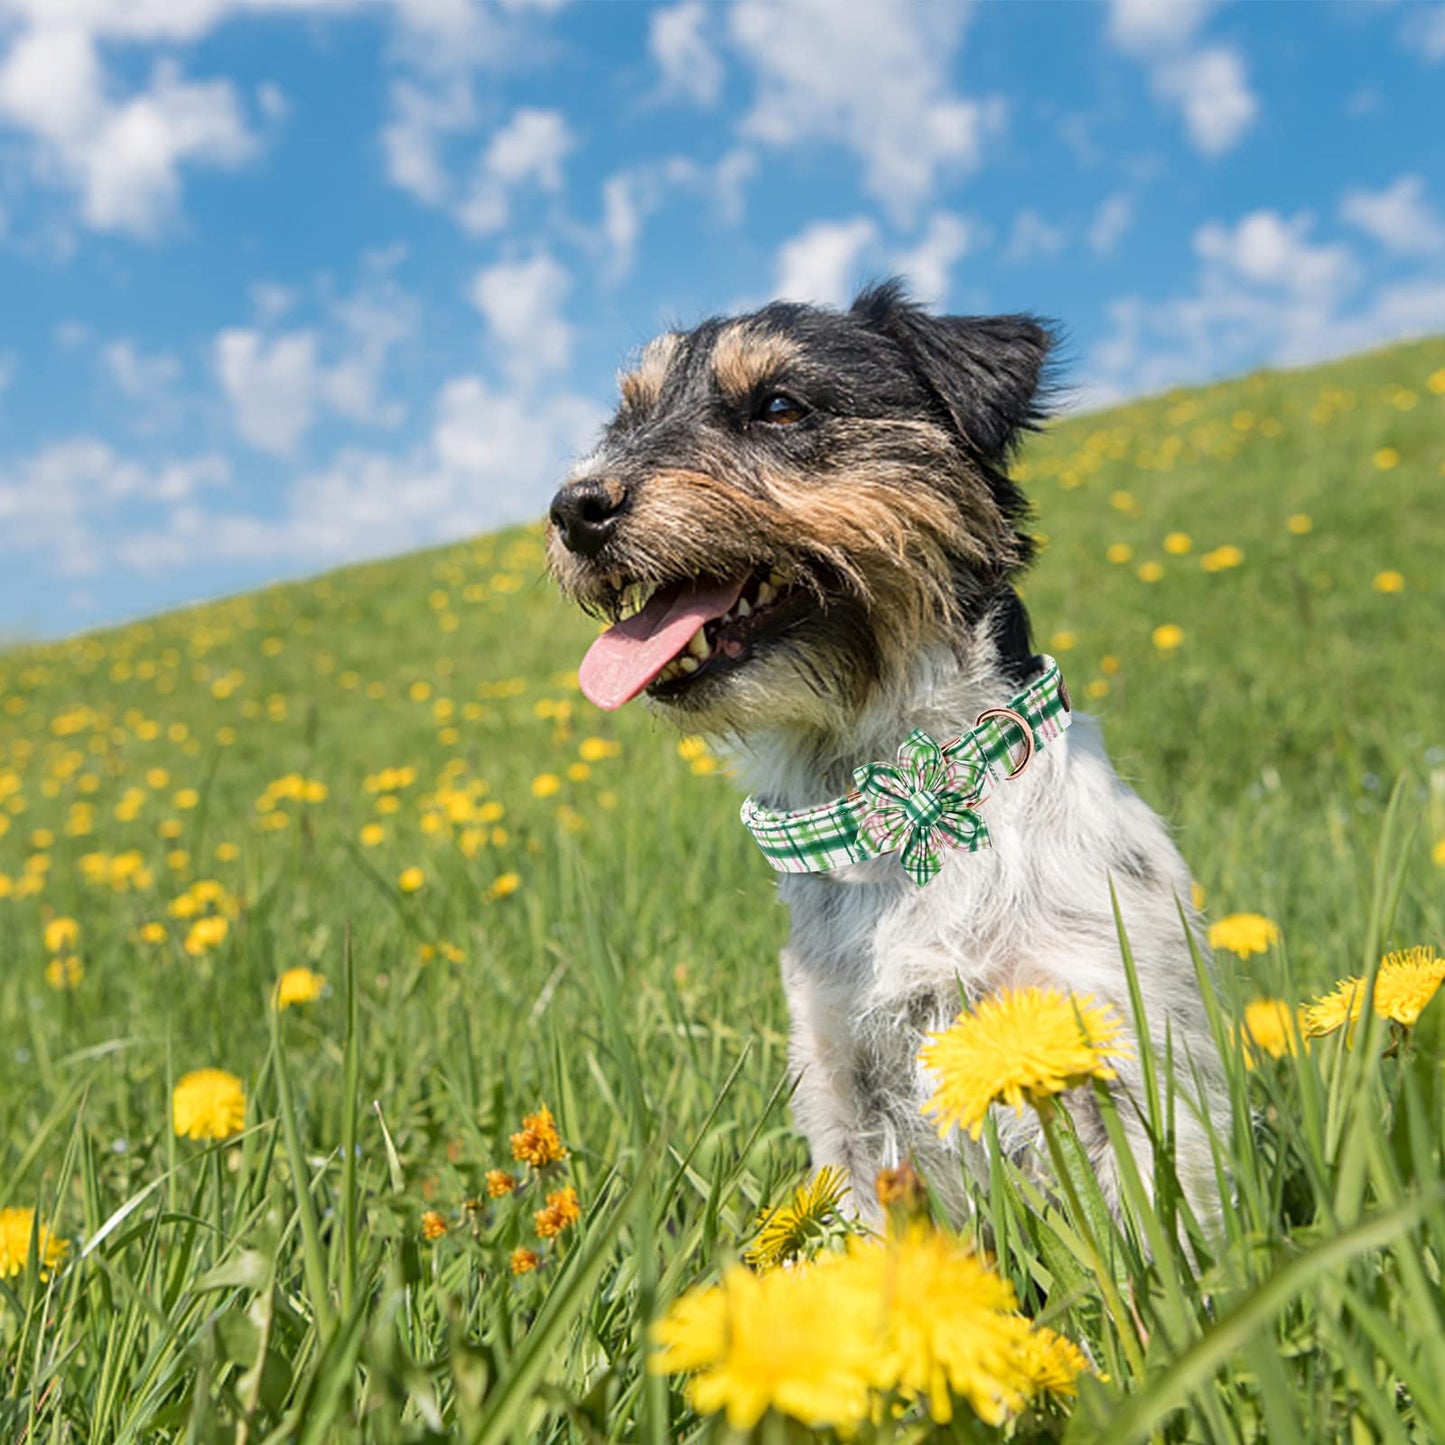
<point>802,523</point>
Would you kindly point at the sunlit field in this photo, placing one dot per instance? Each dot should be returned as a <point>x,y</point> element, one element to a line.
<point>528,1085</point>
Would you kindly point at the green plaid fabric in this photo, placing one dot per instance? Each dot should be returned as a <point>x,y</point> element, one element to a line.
<point>922,805</point>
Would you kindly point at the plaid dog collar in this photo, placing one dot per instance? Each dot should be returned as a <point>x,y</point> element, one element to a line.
<point>924,804</point>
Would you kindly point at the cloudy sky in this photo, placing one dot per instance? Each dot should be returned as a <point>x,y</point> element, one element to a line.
<point>285,283</point>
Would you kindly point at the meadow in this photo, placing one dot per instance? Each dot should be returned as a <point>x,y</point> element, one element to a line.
<point>485,899</point>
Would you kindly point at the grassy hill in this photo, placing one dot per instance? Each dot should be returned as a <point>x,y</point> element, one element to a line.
<point>546,903</point>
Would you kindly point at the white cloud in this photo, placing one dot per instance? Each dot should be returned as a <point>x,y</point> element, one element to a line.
<point>528,150</point>
<point>278,382</point>
<point>62,501</point>
<point>1209,86</point>
<point>873,78</point>
<point>137,375</point>
<point>822,263</point>
<point>1113,218</point>
<point>411,140</point>
<point>946,240</point>
<point>1148,27</point>
<point>1212,90</point>
<point>1033,239</point>
<point>441,47</point>
<point>492,457</point>
<point>1398,217</point>
<point>1266,292</point>
<point>123,158</point>
<point>1424,32</point>
<point>271,385</point>
<point>1264,249</point>
<point>521,302</point>
<point>690,66</point>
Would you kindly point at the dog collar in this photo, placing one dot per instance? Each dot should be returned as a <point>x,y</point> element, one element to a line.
<point>926,802</point>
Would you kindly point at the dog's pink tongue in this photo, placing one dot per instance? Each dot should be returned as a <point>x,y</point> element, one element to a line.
<point>629,655</point>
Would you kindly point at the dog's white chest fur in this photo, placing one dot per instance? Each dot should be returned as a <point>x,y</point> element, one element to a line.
<point>874,962</point>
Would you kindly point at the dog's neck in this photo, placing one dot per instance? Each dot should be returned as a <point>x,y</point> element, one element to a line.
<point>941,690</point>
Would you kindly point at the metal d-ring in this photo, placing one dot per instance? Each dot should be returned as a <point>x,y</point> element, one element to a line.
<point>1019,721</point>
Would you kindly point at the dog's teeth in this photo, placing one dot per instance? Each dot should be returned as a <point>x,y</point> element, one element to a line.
<point>742,609</point>
<point>688,664</point>
<point>614,580</point>
<point>698,645</point>
<point>766,593</point>
<point>777,579</point>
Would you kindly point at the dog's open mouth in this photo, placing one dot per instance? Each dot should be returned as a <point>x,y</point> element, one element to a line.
<point>686,631</point>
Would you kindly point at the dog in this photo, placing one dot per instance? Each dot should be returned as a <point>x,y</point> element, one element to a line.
<point>802,524</point>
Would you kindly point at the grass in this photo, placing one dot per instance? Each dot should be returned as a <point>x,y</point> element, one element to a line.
<point>593,930</point>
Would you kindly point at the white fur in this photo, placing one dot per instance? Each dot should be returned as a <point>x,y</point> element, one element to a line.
<point>874,962</point>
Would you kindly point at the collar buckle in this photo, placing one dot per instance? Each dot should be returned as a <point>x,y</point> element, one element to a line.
<point>1022,724</point>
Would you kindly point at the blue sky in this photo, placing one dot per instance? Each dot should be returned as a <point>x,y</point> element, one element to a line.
<point>286,283</point>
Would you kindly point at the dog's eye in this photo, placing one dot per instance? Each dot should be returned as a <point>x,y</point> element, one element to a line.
<point>779,407</point>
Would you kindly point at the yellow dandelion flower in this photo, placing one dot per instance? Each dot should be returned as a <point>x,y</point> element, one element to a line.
<point>500,1183</point>
<point>1018,1047</point>
<point>372,835</point>
<point>1053,1362</point>
<point>16,1228</point>
<point>1332,1011</point>
<point>64,971</point>
<point>152,933</point>
<point>524,1261</point>
<point>1168,636</point>
<point>1063,641</point>
<point>537,1142</point>
<point>561,1212</point>
<point>205,934</point>
<point>1177,544</point>
<point>1386,459</point>
<point>1389,581</point>
<point>504,885</point>
<point>1300,523</point>
<point>208,1104</point>
<point>950,1326</point>
<point>1436,382</point>
<point>61,935</point>
<point>298,985</point>
<point>1405,984</point>
<point>1222,558</point>
<point>546,785</point>
<point>1244,934</point>
<point>1151,571</point>
<point>1271,1027</point>
<point>792,1229</point>
<point>433,1225</point>
<point>1120,552</point>
<point>752,1344</point>
<point>1437,854</point>
<point>594,750</point>
<point>411,880</point>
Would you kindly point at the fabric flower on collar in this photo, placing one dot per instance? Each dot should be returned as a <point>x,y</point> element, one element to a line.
<point>923,805</point>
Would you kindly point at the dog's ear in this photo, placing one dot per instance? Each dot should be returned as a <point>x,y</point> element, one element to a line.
<point>986,371</point>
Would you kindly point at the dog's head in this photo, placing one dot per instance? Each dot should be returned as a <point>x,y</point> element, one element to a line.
<point>789,503</point>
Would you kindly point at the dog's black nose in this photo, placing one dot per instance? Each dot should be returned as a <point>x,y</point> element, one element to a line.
<point>585,513</point>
